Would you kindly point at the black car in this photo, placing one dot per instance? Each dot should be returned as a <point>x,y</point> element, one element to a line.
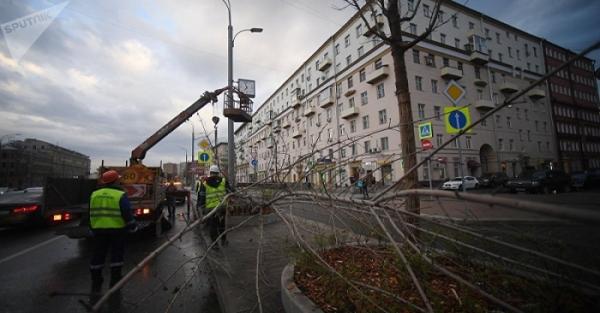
<point>585,179</point>
<point>22,207</point>
<point>543,181</point>
<point>493,179</point>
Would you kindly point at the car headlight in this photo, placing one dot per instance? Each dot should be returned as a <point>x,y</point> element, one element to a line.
<point>535,183</point>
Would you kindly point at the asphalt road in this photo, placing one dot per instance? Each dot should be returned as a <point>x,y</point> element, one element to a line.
<point>43,272</point>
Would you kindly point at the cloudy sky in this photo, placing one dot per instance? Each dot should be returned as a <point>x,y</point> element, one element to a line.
<point>107,74</point>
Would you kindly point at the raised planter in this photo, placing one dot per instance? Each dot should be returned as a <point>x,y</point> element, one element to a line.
<point>294,301</point>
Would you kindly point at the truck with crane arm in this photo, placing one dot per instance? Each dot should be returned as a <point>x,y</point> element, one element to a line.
<point>143,183</point>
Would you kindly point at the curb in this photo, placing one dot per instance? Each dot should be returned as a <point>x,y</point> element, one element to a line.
<point>233,220</point>
<point>213,276</point>
<point>294,301</point>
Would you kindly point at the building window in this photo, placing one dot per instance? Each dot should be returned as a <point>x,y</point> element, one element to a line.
<point>380,91</point>
<point>539,146</point>
<point>537,126</point>
<point>430,60</point>
<point>412,28</point>
<point>446,61</point>
<point>378,64</point>
<point>511,144</point>
<point>456,43</point>
<point>361,51</point>
<point>384,144</point>
<point>411,5</point>
<point>426,11</point>
<point>434,86</point>
<point>437,112</point>
<point>348,59</point>
<point>367,145</point>
<point>471,25</point>
<point>468,142</point>
<point>359,31</point>
<point>347,41</point>
<point>510,52</point>
<point>526,115</point>
<point>421,110</point>
<point>352,126</point>
<point>350,82</point>
<point>365,122</point>
<point>443,39</point>
<point>382,116</point>
<point>416,57</point>
<point>351,102</point>
<point>498,121</point>
<point>353,147</point>
<point>336,49</point>
<point>364,99</point>
<point>518,111</point>
<point>508,123</point>
<point>529,135</point>
<point>362,75</point>
<point>439,139</point>
<point>419,83</point>
<point>498,38</point>
<point>520,135</point>
<point>500,144</point>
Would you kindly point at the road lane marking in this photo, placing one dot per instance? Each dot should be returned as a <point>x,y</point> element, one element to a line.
<point>41,244</point>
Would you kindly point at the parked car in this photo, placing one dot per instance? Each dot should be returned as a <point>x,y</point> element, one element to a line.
<point>21,207</point>
<point>585,179</point>
<point>3,190</point>
<point>543,181</point>
<point>493,179</point>
<point>470,182</point>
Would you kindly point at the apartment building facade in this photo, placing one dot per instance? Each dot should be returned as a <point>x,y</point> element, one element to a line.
<point>336,117</point>
<point>575,108</point>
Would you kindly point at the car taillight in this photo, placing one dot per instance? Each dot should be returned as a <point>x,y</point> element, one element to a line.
<point>61,217</point>
<point>25,209</point>
<point>142,211</point>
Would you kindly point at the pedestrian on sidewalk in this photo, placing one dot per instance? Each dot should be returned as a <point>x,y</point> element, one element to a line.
<point>211,194</point>
<point>171,189</point>
<point>111,219</point>
<point>362,186</point>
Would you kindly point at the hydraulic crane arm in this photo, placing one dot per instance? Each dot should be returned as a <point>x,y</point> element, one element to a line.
<point>139,153</point>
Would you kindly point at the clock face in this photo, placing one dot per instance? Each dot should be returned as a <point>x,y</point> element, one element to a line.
<point>247,87</point>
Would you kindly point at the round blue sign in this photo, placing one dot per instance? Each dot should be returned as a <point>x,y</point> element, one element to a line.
<point>254,162</point>
<point>204,157</point>
<point>457,119</point>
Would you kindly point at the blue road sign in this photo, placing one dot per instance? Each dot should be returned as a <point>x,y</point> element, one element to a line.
<point>204,157</point>
<point>457,119</point>
<point>254,163</point>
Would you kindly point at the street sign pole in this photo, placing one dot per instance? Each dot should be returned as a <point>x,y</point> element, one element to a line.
<point>429,175</point>
<point>460,158</point>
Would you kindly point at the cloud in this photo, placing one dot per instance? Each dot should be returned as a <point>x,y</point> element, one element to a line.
<point>132,55</point>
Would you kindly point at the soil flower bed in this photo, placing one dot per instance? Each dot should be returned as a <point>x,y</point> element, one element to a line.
<point>380,275</point>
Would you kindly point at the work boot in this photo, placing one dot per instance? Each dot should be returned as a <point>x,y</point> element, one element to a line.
<point>115,275</point>
<point>96,280</point>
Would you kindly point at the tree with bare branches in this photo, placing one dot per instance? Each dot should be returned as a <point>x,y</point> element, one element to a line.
<point>371,11</point>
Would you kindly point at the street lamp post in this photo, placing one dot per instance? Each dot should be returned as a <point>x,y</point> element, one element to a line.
<point>185,171</point>
<point>230,139</point>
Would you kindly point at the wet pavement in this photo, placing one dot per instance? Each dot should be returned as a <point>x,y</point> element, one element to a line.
<point>43,272</point>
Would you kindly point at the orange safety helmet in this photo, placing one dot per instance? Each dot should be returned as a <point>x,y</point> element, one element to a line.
<point>109,177</point>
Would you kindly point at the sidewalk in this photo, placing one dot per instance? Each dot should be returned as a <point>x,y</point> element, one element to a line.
<point>234,267</point>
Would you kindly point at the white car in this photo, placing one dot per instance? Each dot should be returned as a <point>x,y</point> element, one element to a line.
<point>456,183</point>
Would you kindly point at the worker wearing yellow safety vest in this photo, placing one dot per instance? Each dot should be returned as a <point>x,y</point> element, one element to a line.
<point>211,194</point>
<point>110,220</point>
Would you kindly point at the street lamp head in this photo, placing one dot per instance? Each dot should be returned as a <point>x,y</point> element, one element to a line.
<point>256,30</point>
<point>215,120</point>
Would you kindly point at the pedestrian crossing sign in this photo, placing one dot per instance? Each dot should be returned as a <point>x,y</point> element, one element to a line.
<point>425,131</point>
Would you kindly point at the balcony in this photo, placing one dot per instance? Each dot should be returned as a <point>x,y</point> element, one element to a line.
<point>377,24</point>
<point>297,119</point>
<point>310,110</point>
<point>451,73</point>
<point>350,92</point>
<point>298,133</point>
<point>349,113</point>
<point>480,82</point>
<point>378,75</point>
<point>536,93</point>
<point>296,102</point>
<point>276,129</point>
<point>269,122</point>
<point>325,64</point>
<point>479,57</point>
<point>286,124</point>
<point>508,88</point>
<point>484,105</point>
<point>325,101</point>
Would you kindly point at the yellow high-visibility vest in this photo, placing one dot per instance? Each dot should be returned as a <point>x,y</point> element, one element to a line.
<point>214,195</point>
<point>105,210</point>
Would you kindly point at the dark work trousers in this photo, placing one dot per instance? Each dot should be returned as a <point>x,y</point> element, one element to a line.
<point>171,205</point>
<point>216,226</point>
<point>115,240</point>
